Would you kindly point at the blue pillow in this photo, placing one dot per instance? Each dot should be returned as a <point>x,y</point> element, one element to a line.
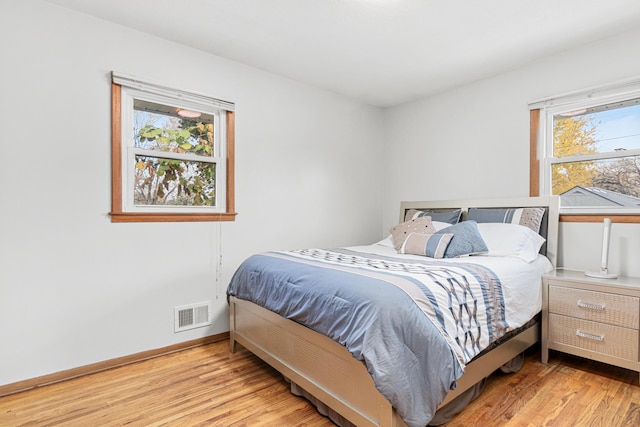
<point>466,239</point>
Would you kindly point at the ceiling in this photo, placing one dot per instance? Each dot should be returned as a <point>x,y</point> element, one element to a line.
<point>381,52</point>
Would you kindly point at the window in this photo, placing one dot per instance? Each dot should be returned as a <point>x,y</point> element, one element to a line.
<point>172,154</point>
<point>588,146</point>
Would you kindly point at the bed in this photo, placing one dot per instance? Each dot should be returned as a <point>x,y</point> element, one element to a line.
<point>369,367</point>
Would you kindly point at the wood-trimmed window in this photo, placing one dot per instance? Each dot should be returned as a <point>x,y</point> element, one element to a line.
<point>172,154</point>
<point>585,147</point>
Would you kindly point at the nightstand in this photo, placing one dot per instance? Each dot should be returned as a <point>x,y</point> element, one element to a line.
<point>593,318</point>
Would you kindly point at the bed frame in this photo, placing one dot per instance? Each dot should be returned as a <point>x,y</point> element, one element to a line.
<point>328,372</point>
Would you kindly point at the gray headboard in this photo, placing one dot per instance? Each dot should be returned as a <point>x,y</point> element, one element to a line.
<point>548,228</point>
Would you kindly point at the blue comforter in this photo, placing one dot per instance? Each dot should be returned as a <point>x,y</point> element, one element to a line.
<point>414,340</point>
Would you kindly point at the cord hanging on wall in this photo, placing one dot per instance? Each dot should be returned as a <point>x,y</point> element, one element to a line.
<point>604,271</point>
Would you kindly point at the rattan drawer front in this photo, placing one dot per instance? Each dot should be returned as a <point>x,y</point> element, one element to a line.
<point>598,337</point>
<point>614,309</point>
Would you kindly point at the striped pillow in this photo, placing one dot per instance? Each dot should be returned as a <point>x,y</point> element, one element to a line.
<point>431,245</point>
<point>528,217</point>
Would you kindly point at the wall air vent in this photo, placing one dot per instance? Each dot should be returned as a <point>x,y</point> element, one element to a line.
<point>192,316</point>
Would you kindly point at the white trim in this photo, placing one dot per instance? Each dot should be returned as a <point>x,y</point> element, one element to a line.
<point>595,95</point>
<point>598,156</point>
<point>149,86</point>
<point>598,210</point>
<point>189,157</point>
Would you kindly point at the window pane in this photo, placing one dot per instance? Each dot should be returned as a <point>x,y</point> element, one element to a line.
<point>165,128</point>
<point>167,182</point>
<point>612,182</point>
<point>601,129</point>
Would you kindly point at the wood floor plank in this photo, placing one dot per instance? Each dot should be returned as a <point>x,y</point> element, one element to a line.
<point>209,386</point>
<point>569,391</point>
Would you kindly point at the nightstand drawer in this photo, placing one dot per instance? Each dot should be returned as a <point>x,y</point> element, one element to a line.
<point>598,337</point>
<point>614,309</point>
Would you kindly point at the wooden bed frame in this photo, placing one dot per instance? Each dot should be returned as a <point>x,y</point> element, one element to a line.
<point>327,371</point>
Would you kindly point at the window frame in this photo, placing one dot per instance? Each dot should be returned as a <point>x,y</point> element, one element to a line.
<point>541,140</point>
<point>120,212</point>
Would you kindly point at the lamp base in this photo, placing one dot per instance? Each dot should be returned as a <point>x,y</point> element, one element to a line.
<point>600,274</point>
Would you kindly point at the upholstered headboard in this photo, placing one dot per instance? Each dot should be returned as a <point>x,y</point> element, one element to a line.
<point>548,225</point>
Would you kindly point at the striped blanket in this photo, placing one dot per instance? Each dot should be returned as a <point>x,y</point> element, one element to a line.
<point>464,301</point>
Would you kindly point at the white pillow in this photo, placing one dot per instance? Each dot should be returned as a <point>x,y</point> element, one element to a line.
<point>439,225</point>
<point>387,241</point>
<point>510,240</point>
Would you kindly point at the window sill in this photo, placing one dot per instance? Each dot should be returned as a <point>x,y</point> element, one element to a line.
<point>599,217</point>
<point>168,217</point>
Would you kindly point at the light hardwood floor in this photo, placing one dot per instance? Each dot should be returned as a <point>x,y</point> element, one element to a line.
<point>208,386</point>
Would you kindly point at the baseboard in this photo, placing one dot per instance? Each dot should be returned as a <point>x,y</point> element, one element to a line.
<point>105,365</point>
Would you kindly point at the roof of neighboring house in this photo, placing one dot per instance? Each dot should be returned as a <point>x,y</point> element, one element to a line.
<point>595,196</point>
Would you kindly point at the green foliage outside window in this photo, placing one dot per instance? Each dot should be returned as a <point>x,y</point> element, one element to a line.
<point>166,181</point>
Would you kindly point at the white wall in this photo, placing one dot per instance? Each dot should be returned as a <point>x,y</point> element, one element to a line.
<point>77,289</point>
<point>312,169</point>
<point>474,142</point>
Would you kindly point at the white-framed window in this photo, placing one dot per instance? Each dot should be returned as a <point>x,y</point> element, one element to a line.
<point>172,153</point>
<point>588,147</point>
